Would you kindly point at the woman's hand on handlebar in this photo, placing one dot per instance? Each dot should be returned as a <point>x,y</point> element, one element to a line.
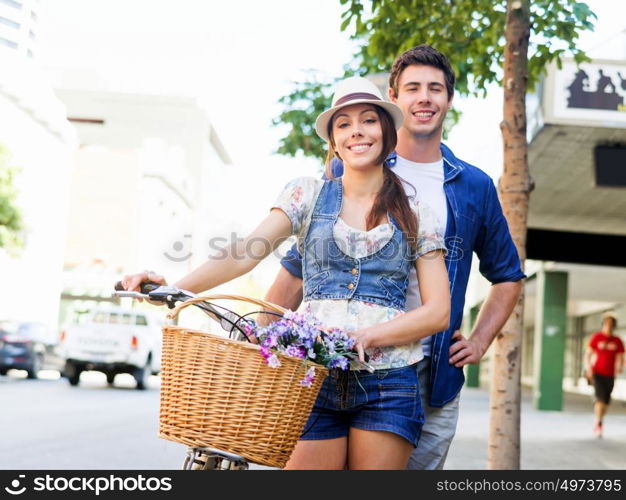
<point>133,282</point>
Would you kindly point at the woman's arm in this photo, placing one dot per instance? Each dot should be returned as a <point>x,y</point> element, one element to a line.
<point>239,259</point>
<point>431,317</point>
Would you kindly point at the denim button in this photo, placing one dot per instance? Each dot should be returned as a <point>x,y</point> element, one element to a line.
<point>350,286</point>
<point>354,271</point>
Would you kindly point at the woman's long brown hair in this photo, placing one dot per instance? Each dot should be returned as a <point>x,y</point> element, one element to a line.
<point>391,198</point>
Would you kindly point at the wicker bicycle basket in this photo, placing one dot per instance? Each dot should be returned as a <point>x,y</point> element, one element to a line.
<point>220,393</point>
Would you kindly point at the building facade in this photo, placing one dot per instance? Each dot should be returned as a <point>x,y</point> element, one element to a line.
<point>41,142</point>
<point>141,193</point>
<point>576,243</point>
<point>19,21</point>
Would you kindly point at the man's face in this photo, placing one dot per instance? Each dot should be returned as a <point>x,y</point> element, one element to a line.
<point>424,100</point>
<point>608,324</point>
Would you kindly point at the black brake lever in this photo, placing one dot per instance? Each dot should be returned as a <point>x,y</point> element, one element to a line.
<point>145,288</point>
<point>168,294</point>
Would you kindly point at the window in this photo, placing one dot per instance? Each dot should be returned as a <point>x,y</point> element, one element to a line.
<point>33,15</point>
<point>609,165</point>
<point>7,22</point>
<point>12,3</point>
<point>141,320</point>
<point>100,317</point>
<point>31,35</point>
<point>8,43</point>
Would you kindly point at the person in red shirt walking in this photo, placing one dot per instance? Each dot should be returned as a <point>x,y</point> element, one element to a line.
<point>604,360</point>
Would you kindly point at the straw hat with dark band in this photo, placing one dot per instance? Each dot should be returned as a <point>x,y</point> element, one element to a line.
<point>356,90</point>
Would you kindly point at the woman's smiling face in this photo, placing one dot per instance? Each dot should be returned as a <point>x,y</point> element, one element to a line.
<point>357,135</point>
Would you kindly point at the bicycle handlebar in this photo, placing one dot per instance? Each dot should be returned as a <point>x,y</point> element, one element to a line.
<point>145,287</point>
<point>228,320</point>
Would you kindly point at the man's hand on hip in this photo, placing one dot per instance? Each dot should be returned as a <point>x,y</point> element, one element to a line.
<point>465,351</point>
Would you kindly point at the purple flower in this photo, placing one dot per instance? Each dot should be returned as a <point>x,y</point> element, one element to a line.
<point>265,352</point>
<point>273,361</point>
<point>309,377</point>
<point>299,336</point>
<point>339,362</point>
<point>295,351</point>
<point>289,314</point>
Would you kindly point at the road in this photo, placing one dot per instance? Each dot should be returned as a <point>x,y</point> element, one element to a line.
<point>46,424</point>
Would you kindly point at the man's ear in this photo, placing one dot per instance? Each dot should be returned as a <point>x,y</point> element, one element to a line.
<point>450,101</point>
<point>392,95</point>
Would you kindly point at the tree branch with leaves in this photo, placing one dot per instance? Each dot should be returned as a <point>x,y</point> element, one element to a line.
<point>469,32</point>
<point>11,223</point>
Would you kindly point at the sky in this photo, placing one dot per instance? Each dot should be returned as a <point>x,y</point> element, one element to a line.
<point>238,58</point>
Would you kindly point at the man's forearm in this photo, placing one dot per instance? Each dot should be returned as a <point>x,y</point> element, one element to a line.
<point>494,312</point>
<point>286,291</point>
<point>619,364</point>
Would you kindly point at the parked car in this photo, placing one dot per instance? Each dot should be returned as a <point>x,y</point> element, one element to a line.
<point>113,341</point>
<point>25,345</point>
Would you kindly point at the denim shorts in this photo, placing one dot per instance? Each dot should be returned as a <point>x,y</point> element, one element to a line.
<point>386,400</point>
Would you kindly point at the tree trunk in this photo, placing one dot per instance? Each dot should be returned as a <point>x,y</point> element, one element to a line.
<point>514,190</point>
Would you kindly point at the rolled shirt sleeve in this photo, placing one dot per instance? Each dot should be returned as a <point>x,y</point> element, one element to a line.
<point>499,261</point>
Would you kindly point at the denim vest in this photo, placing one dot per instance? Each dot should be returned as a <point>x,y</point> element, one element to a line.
<point>329,273</point>
<point>475,224</point>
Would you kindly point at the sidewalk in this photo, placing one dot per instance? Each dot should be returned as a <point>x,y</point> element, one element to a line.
<point>549,439</point>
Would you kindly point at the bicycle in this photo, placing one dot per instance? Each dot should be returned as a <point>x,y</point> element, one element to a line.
<point>237,326</point>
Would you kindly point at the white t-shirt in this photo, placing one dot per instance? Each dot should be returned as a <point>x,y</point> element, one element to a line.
<point>425,182</point>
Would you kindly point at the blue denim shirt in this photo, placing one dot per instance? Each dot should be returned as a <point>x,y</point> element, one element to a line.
<point>475,224</point>
<point>380,278</point>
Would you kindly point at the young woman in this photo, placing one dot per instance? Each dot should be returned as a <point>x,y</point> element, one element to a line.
<point>359,237</point>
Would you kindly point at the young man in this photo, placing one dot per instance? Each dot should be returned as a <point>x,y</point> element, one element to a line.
<point>604,359</point>
<point>466,203</point>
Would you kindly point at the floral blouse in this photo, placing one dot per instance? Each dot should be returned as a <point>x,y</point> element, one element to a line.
<point>297,200</point>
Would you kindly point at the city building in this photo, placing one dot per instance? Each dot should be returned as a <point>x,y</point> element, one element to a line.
<point>18,26</point>
<point>576,227</point>
<point>141,195</point>
<point>41,142</point>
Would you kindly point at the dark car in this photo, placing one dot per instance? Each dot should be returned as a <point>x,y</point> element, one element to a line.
<point>23,346</point>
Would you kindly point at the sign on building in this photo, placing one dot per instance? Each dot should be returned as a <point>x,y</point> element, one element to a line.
<point>590,94</point>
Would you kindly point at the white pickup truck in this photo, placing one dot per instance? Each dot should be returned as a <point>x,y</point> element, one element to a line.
<point>112,341</point>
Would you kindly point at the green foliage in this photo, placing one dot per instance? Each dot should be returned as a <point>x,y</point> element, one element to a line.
<point>10,216</point>
<point>452,118</point>
<point>302,106</point>
<point>469,32</point>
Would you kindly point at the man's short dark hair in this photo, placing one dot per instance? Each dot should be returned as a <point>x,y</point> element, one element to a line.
<point>422,55</point>
<point>612,318</point>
